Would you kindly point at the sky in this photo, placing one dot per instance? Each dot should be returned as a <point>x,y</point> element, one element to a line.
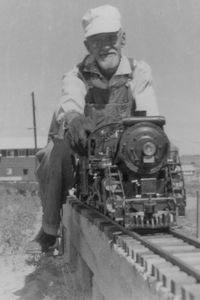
<point>40,40</point>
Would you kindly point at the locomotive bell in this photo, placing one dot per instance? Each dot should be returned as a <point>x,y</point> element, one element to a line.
<point>144,148</point>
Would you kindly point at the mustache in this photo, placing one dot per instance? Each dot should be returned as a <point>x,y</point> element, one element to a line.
<point>107,53</point>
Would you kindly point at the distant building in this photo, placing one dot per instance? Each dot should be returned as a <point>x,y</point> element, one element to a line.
<point>190,172</point>
<point>17,158</point>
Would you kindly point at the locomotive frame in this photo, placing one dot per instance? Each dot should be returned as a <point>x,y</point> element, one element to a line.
<point>132,174</point>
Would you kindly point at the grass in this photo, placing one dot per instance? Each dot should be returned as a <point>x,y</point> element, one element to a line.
<point>19,208</point>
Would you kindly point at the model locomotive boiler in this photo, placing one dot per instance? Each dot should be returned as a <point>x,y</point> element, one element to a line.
<point>132,175</point>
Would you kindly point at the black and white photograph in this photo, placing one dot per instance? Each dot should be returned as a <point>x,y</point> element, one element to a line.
<point>99,150</point>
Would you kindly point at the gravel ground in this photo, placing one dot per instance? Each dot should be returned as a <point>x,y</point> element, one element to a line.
<point>51,278</point>
<point>188,223</point>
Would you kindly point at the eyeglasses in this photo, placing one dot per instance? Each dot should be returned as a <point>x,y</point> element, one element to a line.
<point>98,40</point>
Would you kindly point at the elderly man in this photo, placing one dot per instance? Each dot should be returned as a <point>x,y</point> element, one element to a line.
<point>105,86</point>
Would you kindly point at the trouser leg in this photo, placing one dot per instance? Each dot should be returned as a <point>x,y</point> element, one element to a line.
<point>55,176</point>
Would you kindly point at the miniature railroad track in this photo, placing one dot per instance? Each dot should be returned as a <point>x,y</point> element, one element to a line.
<point>170,257</point>
<point>176,248</point>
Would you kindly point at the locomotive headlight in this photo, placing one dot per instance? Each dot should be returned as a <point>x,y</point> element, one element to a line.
<point>149,149</point>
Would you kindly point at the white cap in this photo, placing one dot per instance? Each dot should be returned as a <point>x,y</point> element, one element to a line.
<point>101,19</point>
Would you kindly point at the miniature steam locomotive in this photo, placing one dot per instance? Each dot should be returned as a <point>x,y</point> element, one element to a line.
<point>132,175</point>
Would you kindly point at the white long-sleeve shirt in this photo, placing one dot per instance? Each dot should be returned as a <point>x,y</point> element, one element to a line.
<point>74,90</point>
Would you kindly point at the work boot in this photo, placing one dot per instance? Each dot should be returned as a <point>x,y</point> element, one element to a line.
<point>41,243</point>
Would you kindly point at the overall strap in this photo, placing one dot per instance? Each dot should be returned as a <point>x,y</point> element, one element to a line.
<point>130,94</point>
<point>132,65</point>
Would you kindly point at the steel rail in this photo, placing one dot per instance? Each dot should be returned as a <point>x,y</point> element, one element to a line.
<point>165,254</point>
<point>154,248</point>
<point>190,240</point>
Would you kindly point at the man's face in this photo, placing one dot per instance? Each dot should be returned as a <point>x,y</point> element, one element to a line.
<point>106,49</point>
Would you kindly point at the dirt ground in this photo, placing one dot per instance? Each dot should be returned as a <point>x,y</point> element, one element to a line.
<point>20,279</point>
<point>51,278</point>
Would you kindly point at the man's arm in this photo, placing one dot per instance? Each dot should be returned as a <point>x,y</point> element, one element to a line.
<point>71,104</point>
<point>72,101</point>
<point>142,89</point>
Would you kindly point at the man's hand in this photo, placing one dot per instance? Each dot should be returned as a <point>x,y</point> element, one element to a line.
<point>78,131</point>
